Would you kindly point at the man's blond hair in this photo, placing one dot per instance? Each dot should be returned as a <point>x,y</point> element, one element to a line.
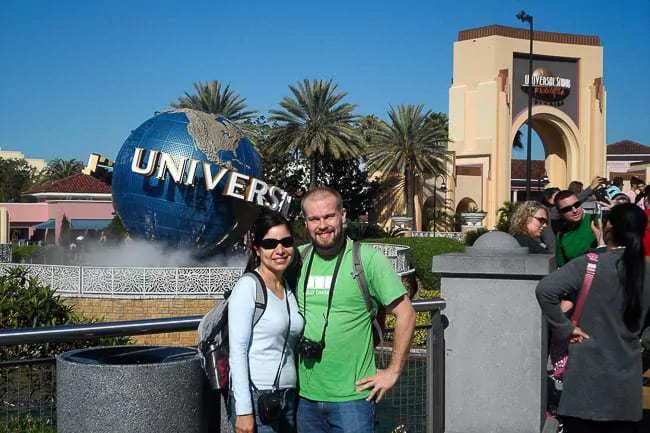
<point>321,192</point>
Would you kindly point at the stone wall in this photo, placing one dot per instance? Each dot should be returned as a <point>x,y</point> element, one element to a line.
<point>114,309</point>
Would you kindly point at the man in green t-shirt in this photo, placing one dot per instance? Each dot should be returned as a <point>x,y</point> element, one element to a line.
<point>339,383</point>
<point>575,237</point>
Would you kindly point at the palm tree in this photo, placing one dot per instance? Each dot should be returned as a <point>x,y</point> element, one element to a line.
<point>60,168</point>
<point>368,127</point>
<point>211,97</point>
<point>316,123</point>
<point>516,142</point>
<point>409,150</point>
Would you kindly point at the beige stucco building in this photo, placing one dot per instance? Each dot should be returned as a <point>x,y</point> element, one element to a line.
<point>488,103</point>
<point>37,163</point>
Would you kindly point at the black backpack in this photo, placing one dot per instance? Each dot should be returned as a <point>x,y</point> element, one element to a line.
<point>213,344</point>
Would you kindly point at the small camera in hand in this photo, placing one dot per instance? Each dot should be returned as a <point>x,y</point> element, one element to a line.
<point>601,194</point>
<point>310,349</point>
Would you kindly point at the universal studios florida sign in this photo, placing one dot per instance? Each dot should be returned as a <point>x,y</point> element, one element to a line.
<point>184,171</point>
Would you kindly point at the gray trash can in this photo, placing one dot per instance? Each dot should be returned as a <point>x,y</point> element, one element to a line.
<point>157,389</point>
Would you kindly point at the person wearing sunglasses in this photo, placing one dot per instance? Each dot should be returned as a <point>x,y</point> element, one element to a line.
<point>575,237</point>
<point>262,356</point>
<point>527,225</point>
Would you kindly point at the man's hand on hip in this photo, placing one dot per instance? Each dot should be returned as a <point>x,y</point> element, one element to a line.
<point>378,384</point>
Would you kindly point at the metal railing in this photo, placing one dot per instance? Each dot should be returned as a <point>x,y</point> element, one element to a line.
<point>27,386</point>
<point>458,236</point>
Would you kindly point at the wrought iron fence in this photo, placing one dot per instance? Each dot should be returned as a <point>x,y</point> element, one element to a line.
<point>27,394</point>
<point>151,282</point>
<point>5,253</point>
<point>457,236</point>
<point>28,388</point>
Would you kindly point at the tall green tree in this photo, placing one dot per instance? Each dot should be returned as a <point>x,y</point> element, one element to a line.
<point>349,177</point>
<point>16,177</point>
<point>315,122</point>
<point>65,237</point>
<point>408,150</point>
<point>212,97</point>
<point>368,127</point>
<point>60,168</point>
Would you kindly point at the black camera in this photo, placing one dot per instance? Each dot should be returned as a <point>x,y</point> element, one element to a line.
<point>270,405</point>
<point>311,349</point>
<point>601,194</point>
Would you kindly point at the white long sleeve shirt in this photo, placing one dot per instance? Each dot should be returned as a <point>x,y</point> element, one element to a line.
<point>260,348</point>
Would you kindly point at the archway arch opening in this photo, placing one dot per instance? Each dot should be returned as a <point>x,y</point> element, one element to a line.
<point>554,153</point>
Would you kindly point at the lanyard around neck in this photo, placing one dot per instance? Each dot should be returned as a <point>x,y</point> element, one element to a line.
<point>331,290</point>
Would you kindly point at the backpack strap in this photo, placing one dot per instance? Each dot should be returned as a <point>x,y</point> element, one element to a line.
<point>260,296</point>
<point>306,251</point>
<point>592,262</point>
<point>360,276</point>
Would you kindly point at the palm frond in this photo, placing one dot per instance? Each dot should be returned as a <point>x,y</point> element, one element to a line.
<point>212,97</point>
<point>315,121</point>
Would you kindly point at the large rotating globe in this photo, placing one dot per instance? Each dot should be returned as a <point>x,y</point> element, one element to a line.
<point>182,212</point>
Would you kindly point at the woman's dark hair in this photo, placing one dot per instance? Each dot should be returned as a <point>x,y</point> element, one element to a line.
<point>636,181</point>
<point>575,187</point>
<point>260,228</point>
<point>628,227</point>
<point>548,194</point>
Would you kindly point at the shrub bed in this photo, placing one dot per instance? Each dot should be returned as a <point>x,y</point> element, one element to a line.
<point>422,250</point>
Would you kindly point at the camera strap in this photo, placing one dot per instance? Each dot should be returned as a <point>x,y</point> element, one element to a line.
<point>276,381</point>
<point>331,291</point>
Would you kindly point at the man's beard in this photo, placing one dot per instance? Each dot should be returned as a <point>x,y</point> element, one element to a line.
<point>331,249</point>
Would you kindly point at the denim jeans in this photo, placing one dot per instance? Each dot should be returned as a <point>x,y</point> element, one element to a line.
<point>286,422</point>
<point>356,416</point>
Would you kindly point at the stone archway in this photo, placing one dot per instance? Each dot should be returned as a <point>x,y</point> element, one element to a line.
<point>488,105</point>
<point>559,136</point>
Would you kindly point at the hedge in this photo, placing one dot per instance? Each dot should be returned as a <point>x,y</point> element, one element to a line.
<point>422,250</point>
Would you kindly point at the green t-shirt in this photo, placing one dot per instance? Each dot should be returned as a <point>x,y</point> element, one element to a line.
<point>348,354</point>
<point>574,243</point>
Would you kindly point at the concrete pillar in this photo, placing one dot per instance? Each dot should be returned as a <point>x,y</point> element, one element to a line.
<point>495,342</point>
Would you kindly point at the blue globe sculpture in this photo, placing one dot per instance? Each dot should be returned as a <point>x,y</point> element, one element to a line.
<point>178,209</point>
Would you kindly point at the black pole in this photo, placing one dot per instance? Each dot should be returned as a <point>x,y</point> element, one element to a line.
<point>529,162</point>
<point>524,17</point>
<point>435,203</point>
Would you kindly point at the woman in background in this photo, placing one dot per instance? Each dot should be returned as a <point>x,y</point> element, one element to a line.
<point>262,354</point>
<point>603,382</point>
<point>527,224</point>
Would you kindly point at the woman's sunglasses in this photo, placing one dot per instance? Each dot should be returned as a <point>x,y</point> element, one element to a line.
<point>571,207</point>
<point>541,220</point>
<point>271,244</point>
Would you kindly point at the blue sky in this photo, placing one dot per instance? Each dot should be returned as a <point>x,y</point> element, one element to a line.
<point>77,76</point>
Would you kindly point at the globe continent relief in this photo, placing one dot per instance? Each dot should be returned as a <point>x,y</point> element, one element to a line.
<point>182,214</point>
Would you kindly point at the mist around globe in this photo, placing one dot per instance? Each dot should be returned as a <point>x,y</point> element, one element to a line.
<point>170,176</point>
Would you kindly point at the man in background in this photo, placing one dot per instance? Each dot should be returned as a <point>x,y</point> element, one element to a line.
<point>575,237</point>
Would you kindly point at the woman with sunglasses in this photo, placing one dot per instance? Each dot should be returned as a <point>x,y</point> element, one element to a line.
<point>527,224</point>
<point>603,382</point>
<point>262,357</point>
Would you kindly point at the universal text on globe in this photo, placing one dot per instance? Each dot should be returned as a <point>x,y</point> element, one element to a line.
<point>184,172</point>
